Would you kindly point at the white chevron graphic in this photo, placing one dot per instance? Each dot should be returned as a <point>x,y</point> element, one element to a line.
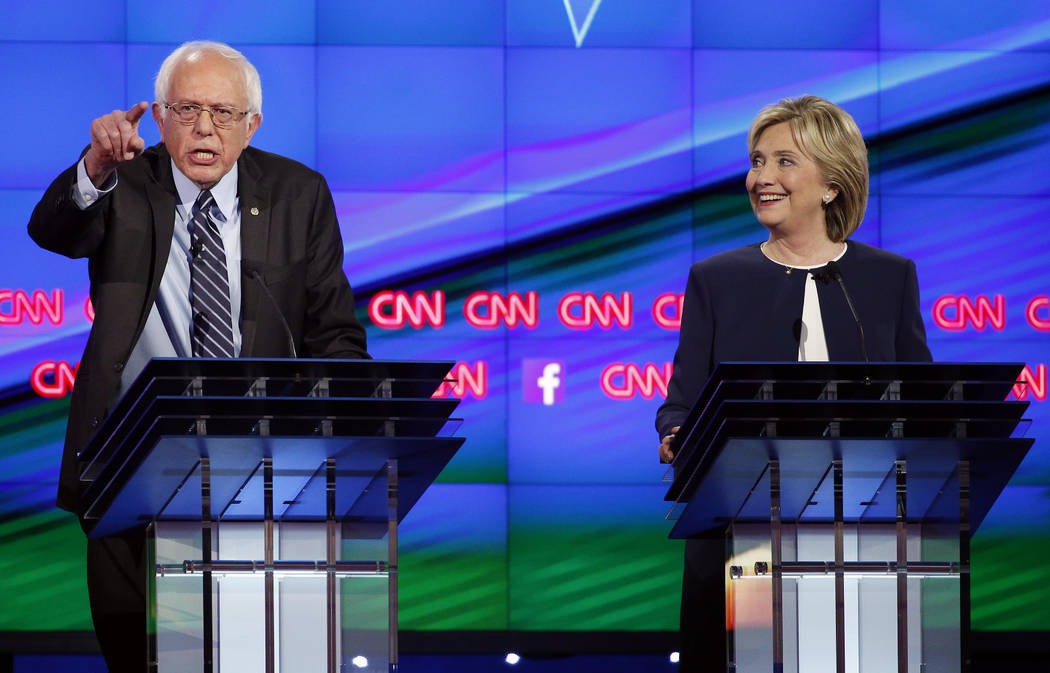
<point>580,32</point>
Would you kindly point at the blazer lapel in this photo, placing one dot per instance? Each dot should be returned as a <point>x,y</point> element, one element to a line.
<point>161,196</point>
<point>255,237</point>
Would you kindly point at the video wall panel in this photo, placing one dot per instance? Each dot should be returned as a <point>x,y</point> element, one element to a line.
<point>459,592</point>
<point>543,23</point>
<point>1016,25</point>
<point>466,23</point>
<point>241,21</point>
<point>28,161</point>
<point>557,97</point>
<point>521,188</point>
<point>398,232</point>
<point>805,25</point>
<point>65,21</point>
<point>731,85</point>
<point>451,144</point>
<point>552,577</point>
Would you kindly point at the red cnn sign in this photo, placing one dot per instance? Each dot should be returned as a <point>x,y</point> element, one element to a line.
<point>17,305</point>
<point>53,379</point>
<point>1032,313</point>
<point>667,310</point>
<point>1034,382</point>
<point>624,381</point>
<point>581,310</point>
<point>486,310</point>
<point>953,313</point>
<point>475,380</point>
<point>393,310</point>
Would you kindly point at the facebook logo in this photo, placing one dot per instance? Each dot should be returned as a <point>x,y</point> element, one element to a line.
<point>543,381</point>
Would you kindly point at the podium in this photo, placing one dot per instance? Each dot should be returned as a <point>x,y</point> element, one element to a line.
<point>847,493</point>
<point>271,492</point>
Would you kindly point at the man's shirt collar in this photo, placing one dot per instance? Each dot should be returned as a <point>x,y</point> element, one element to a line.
<point>224,191</point>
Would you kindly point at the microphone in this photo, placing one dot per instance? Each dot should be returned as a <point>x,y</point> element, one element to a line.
<point>832,271</point>
<point>196,246</point>
<point>277,309</point>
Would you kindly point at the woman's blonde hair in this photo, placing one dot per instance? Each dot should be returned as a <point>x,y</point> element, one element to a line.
<point>828,135</point>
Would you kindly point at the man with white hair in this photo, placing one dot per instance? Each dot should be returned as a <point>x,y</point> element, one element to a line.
<point>180,237</point>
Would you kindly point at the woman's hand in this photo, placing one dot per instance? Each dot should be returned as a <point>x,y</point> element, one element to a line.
<point>666,455</point>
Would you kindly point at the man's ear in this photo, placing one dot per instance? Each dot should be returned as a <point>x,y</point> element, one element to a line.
<point>253,125</point>
<point>158,116</point>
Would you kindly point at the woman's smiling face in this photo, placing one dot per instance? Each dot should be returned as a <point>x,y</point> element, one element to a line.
<point>786,187</point>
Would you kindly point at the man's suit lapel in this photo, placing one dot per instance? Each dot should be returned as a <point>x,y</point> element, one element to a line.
<point>162,196</point>
<point>255,236</point>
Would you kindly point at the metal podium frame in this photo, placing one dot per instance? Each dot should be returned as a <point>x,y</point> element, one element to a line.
<point>895,447</point>
<point>343,448</point>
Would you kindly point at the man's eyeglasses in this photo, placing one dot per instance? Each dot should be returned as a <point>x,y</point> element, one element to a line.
<point>221,115</point>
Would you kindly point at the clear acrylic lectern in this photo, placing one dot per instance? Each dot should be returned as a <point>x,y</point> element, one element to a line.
<point>271,492</point>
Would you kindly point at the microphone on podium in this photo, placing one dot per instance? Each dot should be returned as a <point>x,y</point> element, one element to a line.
<point>832,271</point>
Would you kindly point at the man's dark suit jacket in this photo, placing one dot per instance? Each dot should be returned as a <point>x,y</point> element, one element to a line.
<point>741,306</point>
<point>289,235</point>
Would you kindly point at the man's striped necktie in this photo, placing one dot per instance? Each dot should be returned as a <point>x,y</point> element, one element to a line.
<point>212,329</point>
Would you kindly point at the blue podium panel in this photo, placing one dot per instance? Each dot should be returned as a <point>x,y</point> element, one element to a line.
<point>736,485</point>
<point>760,431</point>
<point>167,483</point>
<point>207,438</point>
